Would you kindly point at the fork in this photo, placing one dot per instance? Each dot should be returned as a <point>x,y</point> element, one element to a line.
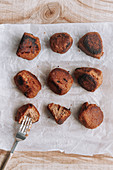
<point>21,135</point>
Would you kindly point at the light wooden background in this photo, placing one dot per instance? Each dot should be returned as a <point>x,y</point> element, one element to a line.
<point>56,11</point>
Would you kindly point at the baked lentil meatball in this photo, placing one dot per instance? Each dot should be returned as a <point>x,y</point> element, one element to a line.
<point>61,42</point>
<point>60,81</point>
<point>89,78</point>
<point>29,47</point>
<point>27,110</point>
<point>91,44</point>
<point>90,115</point>
<point>59,113</point>
<point>27,83</point>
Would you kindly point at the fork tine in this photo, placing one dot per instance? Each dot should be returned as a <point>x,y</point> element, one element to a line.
<point>30,124</point>
<point>25,124</point>
<point>23,121</point>
<point>27,130</point>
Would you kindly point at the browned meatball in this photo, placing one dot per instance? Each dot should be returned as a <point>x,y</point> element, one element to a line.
<point>60,81</point>
<point>29,47</point>
<point>90,115</point>
<point>91,44</point>
<point>61,42</point>
<point>27,83</point>
<point>89,78</point>
<point>59,113</point>
<point>27,110</point>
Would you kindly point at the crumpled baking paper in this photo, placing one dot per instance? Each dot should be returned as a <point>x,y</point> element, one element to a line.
<point>46,135</point>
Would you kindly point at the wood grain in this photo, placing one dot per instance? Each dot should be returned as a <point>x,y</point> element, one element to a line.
<point>56,160</point>
<point>55,11</point>
<point>46,12</point>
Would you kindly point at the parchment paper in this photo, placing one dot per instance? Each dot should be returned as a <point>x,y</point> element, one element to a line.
<point>46,135</point>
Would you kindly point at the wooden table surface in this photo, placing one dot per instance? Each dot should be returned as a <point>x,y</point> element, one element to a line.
<point>46,12</point>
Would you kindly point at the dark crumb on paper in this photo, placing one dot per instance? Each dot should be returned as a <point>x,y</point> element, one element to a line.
<point>71,105</point>
<point>44,32</point>
<point>57,66</point>
<point>48,116</point>
<point>79,50</point>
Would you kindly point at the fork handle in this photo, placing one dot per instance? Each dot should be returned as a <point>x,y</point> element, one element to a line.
<point>9,156</point>
<point>14,146</point>
<point>6,161</point>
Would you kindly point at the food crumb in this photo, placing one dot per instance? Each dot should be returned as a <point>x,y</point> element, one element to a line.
<point>44,32</point>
